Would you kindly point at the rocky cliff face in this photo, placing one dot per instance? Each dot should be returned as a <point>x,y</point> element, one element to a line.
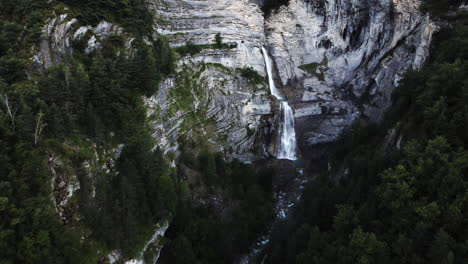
<point>234,107</point>
<point>59,34</point>
<point>336,60</point>
<point>213,102</point>
<point>340,60</point>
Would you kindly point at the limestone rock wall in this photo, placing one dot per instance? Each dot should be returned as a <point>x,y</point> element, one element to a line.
<point>206,101</point>
<point>231,110</point>
<point>58,35</point>
<point>337,60</point>
<point>198,21</point>
<point>340,60</point>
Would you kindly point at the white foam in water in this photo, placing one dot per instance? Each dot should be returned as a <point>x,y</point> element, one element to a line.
<point>287,147</point>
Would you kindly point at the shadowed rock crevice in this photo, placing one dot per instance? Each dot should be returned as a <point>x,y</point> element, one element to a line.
<point>269,6</point>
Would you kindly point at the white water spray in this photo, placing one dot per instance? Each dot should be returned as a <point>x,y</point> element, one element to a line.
<point>287,147</point>
<point>271,82</point>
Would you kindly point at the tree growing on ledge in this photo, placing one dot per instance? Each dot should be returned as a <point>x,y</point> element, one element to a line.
<point>218,40</point>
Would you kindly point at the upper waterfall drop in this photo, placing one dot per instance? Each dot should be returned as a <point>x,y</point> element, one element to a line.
<point>287,133</point>
<point>269,66</point>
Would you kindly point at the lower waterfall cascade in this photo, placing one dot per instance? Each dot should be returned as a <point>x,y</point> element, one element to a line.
<point>287,132</point>
<point>287,148</point>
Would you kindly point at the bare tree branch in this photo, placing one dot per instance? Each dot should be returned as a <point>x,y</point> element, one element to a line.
<point>39,127</point>
<point>11,112</point>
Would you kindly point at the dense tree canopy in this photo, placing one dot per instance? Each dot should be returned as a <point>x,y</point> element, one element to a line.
<point>78,111</point>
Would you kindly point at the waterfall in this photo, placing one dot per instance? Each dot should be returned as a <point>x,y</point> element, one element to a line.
<point>287,149</point>
<point>287,133</point>
<point>269,66</point>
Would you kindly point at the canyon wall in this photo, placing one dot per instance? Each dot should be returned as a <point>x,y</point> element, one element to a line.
<point>340,60</point>
<point>335,61</point>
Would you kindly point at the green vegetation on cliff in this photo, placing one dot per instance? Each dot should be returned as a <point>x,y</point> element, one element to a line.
<point>133,15</point>
<point>191,49</point>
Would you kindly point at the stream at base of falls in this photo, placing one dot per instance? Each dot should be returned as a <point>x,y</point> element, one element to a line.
<point>290,185</point>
